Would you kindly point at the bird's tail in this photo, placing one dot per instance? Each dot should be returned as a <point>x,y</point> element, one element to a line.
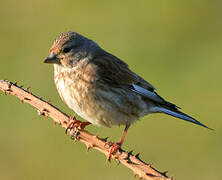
<point>178,114</point>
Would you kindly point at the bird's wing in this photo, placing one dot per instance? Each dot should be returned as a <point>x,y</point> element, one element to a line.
<point>114,71</point>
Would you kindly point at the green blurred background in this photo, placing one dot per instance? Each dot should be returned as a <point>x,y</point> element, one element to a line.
<point>175,45</point>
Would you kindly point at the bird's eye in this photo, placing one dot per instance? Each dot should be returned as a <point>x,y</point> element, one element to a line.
<point>66,50</point>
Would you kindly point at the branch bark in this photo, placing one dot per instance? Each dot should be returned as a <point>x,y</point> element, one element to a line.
<point>133,162</point>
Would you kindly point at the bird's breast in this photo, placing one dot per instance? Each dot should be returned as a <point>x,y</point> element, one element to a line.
<point>97,102</point>
<point>76,87</point>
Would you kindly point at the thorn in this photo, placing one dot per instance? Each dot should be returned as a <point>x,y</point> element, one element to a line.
<point>28,88</point>
<point>49,101</point>
<point>104,139</point>
<point>164,173</point>
<point>149,165</point>
<point>137,155</point>
<point>7,90</point>
<point>96,136</point>
<point>134,175</point>
<point>88,147</point>
<point>65,122</point>
<point>130,153</point>
<point>16,83</point>
<point>171,178</point>
<point>128,156</point>
<point>30,93</point>
<point>72,118</point>
<point>43,112</point>
<point>27,99</point>
<point>117,159</point>
<point>108,160</point>
<point>39,112</point>
<point>130,162</point>
<point>55,123</point>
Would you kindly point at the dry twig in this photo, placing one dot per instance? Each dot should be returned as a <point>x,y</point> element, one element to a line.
<point>133,162</point>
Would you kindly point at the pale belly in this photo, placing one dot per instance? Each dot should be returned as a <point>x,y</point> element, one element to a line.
<point>101,105</point>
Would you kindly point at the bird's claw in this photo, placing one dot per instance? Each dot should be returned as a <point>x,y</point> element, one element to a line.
<point>76,124</point>
<point>113,147</point>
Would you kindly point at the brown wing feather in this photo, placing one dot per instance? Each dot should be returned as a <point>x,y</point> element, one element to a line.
<point>116,72</point>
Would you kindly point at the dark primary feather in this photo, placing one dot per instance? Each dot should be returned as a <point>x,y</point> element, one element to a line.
<point>115,72</point>
<point>178,114</point>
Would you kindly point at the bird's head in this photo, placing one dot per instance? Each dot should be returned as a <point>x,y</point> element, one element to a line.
<point>69,48</point>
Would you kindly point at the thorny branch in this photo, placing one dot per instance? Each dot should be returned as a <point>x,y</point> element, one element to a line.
<point>133,162</point>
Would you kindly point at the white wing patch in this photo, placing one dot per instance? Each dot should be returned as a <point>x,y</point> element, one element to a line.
<point>149,94</point>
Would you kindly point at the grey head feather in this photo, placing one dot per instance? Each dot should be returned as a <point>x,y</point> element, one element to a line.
<point>80,46</point>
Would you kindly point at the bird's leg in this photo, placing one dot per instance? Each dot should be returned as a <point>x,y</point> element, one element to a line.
<point>115,146</point>
<point>74,123</point>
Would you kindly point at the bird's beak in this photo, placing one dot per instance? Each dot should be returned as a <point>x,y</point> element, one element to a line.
<point>52,59</point>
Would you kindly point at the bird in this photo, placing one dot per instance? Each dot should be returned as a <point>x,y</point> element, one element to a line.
<point>101,88</point>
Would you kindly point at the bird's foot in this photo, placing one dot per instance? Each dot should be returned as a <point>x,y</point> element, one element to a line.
<point>76,124</point>
<point>113,147</point>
